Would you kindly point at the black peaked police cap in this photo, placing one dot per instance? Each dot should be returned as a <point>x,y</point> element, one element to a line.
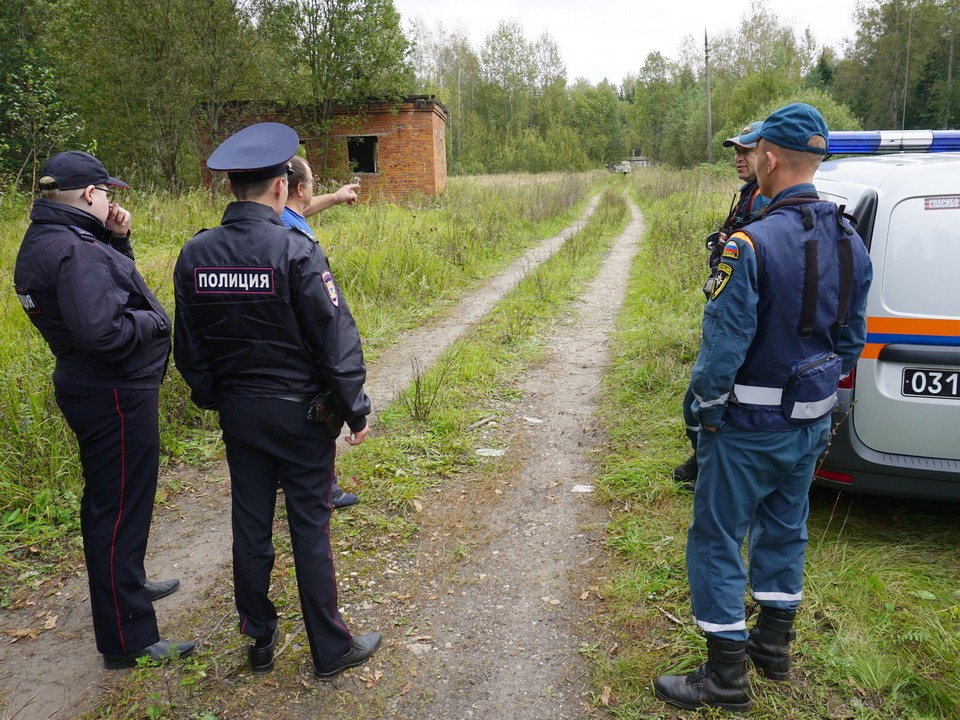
<point>258,152</point>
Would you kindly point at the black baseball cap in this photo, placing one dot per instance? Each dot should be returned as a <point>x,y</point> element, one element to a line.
<point>258,152</point>
<point>75,169</point>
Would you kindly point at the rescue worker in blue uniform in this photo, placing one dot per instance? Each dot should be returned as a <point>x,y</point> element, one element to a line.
<point>302,203</point>
<point>785,321</point>
<point>261,330</point>
<point>747,205</point>
<point>76,279</point>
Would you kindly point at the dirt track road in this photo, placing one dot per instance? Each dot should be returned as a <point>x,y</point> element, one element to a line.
<point>506,620</point>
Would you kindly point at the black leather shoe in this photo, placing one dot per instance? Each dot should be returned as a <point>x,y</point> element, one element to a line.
<point>161,651</point>
<point>261,655</point>
<point>341,499</point>
<point>161,588</point>
<point>363,647</point>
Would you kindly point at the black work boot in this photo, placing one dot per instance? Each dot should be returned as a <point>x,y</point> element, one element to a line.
<point>686,474</point>
<point>720,682</point>
<point>769,642</point>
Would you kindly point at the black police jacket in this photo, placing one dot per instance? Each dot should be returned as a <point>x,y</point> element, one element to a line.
<point>80,287</point>
<point>259,314</point>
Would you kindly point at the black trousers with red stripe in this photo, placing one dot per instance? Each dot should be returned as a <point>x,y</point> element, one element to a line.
<point>118,434</point>
<point>269,444</point>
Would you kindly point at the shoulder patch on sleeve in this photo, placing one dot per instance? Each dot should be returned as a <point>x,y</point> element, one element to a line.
<point>724,271</point>
<point>731,251</point>
<point>740,235</point>
<point>331,288</point>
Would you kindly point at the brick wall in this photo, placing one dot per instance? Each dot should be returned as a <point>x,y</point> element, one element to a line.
<point>411,148</point>
<point>410,137</point>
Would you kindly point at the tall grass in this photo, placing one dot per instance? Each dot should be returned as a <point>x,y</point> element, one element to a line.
<point>396,264</point>
<point>879,627</point>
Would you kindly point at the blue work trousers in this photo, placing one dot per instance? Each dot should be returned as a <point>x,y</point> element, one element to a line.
<point>756,482</point>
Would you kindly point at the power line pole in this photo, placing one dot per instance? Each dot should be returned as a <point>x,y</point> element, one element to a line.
<point>706,62</point>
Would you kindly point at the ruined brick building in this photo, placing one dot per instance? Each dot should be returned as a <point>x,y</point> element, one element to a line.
<point>396,150</point>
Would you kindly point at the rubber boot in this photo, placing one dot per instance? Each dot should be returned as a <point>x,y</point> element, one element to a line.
<point>769,642</point>
<point>720,682</point>
<point>686,474</point>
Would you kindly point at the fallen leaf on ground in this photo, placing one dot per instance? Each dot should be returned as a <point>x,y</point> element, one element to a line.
<point>21,633</point>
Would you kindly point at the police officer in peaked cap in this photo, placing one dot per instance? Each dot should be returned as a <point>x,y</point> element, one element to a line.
<point>785,320</point>
<point>76,279</point>
<point>262,329</point>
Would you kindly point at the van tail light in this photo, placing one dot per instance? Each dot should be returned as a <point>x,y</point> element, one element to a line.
<point>845,478</point>
<point>847,383</point>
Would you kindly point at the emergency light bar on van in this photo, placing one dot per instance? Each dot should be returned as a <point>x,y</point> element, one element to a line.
<point>875,142</point>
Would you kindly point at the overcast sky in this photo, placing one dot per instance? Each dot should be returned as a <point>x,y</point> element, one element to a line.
<point>610,38</point>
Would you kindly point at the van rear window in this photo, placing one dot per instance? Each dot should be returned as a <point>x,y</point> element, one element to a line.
<point>922,258</point>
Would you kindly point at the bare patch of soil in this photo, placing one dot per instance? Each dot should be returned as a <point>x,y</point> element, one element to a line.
<point>494,600</point>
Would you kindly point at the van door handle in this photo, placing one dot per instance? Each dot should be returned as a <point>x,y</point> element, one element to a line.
<point>920,354</point>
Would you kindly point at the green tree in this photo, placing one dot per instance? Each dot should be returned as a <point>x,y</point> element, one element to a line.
<point>655,91</point>
<point>33,106</point>
<point>901,67</point>
<point>140,83</point>
<point>351,51</point>
<point>595,114</point>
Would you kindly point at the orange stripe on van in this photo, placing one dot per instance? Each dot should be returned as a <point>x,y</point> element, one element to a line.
<point>913,326</point>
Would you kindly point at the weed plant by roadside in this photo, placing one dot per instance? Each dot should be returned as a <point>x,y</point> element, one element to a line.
<point>396,264</point>
<point>878,632</point>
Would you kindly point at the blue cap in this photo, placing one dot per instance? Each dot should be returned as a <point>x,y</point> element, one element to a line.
<point>738,140</point>
<point>75,169</point>
<point>258,152</point>
<point>792,127</point>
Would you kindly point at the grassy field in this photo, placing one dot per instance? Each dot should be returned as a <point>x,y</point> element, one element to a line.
<point>878,633</point>
<point>397,265</point>
<point>879,629</point>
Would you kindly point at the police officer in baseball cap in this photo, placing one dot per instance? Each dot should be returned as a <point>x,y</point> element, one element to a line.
<point>76,279</point>
<point>262,329</point>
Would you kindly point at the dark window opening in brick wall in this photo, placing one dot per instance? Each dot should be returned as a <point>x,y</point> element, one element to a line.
<point>362,153</point>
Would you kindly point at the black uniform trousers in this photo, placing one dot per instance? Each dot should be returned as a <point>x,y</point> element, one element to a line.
<point>269,443</point>
<point>119,438</point>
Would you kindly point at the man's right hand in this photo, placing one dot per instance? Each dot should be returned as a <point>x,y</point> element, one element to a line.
<point>355,438</point>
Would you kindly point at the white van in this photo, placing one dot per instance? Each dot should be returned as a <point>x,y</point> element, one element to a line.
<point>897,425</point>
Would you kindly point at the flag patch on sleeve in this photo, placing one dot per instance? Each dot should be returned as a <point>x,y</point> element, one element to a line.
<point>731,250</point>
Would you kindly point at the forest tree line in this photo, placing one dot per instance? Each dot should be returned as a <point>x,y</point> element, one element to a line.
<point>132,81</point>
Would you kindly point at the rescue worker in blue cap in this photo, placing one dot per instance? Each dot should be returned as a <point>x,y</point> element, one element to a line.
<point>784,322</point>
<point>76,279</point>
<point>746,206</point>
<point>261,330</point>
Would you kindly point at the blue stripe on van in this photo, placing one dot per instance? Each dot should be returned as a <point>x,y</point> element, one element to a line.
<point>890,339</point>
